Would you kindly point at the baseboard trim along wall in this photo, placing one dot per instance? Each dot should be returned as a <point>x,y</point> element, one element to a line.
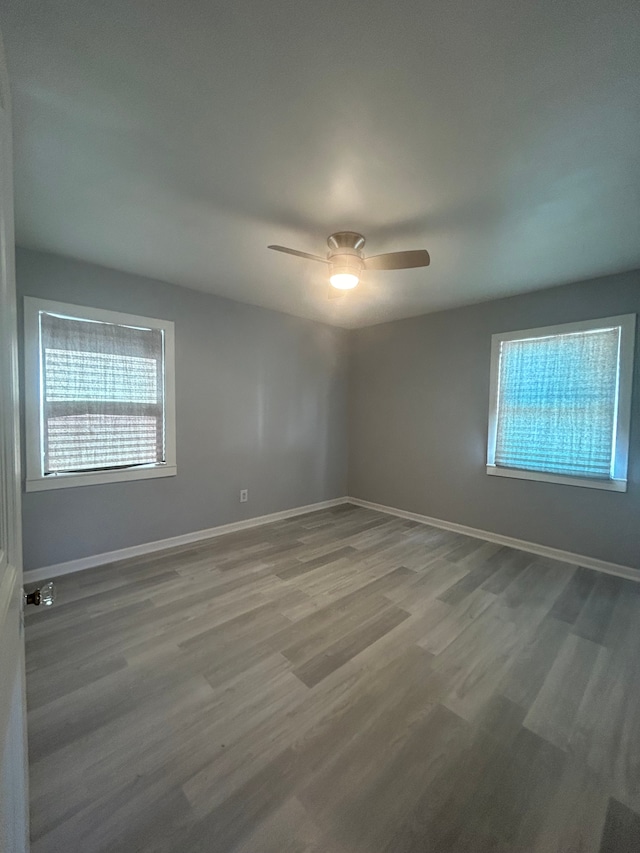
<point>531,547</point>
<point>59,569</point>
<point>36,575</point>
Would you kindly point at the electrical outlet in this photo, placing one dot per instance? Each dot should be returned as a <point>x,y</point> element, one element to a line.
<point>244,496</point>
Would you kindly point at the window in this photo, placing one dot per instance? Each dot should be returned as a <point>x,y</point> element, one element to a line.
<point>99,396</point>
<point>560,403</point>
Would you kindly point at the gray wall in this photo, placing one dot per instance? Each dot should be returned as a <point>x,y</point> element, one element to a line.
<point>261,404</point>
<point>419,392</point>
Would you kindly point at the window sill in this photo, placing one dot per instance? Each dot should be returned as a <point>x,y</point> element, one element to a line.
<point>541,476</point>
<point>97,478</point>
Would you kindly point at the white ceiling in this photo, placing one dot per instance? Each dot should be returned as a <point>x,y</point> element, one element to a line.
<point>178,139</point>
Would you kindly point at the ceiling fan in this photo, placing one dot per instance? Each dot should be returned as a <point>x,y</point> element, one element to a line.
<point>347,262</point>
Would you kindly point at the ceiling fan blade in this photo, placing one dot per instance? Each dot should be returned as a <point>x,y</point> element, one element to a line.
<point>398,260</point>
<point>361,291</point>
<point>298,254</point>
<point>335,292</point>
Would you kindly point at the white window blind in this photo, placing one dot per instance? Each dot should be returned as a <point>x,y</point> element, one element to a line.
<point>557,403</point>
<point>102,395</point>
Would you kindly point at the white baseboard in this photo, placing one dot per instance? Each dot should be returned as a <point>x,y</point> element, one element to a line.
<point>59,569</point>
<point>46,572</point>
<point>521,544</point>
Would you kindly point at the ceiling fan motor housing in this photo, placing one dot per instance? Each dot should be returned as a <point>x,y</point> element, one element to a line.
<point>345,262</point>
<point>346,240</point>
<point>345,253</point>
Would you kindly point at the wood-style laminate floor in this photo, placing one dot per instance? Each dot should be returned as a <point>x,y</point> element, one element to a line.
<point>341,682</point>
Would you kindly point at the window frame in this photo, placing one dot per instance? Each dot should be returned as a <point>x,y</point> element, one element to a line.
<point>620,456</point>
<point>36,480</point>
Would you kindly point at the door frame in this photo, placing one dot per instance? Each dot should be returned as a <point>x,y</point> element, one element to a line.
<point>14,812</point>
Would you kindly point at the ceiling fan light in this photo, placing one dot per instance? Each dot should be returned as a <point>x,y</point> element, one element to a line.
<point>344,280</point>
